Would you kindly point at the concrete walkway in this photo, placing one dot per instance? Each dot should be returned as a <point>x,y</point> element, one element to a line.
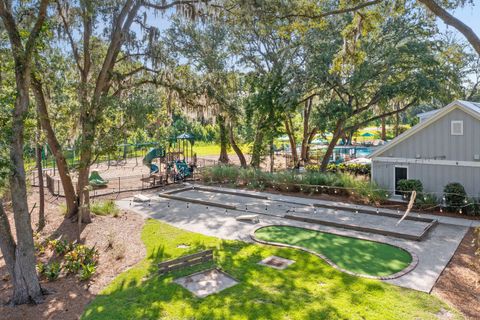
<point>434,252</point>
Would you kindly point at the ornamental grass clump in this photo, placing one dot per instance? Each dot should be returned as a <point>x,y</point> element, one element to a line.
<point>311,182</point>
<point>104,208</point>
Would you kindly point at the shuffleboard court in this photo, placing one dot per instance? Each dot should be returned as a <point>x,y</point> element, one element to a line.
<point>348,219</point>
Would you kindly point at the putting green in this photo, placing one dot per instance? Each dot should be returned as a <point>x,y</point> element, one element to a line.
<point>352,254</point>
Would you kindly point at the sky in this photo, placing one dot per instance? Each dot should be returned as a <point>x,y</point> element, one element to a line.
<point>470,15</point>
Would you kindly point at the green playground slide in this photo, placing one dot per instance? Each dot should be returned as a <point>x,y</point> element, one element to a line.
<point>96,180</point>
<point>153,154</point>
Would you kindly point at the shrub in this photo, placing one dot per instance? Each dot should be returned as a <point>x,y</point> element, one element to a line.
<point>40,248</point>
<point>409,185</point>
<point>40,268</point>
<point>455,196</point>
<point>104,208</point>
<point>473,207</point>
<point>87,271</point>
<point>79,255</point>
<point>73,262</point>
<point>426,201</point>
<point>220,174</point>
<point>52,271</point>
<point>59,246</point>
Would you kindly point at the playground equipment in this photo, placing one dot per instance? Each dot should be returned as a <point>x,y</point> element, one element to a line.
<point>96,181</point>
<point>179,170</point>
<point>185,143</point>
<point>154,153</point>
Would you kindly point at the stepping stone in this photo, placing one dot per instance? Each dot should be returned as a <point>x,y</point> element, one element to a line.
<point>140,198</point>
<point>207,282</point>
<point>248,217</point>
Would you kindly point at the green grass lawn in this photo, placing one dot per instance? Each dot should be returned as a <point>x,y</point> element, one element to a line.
<point>308,289</point>
<point>213,149</point>
<point>356,255</point>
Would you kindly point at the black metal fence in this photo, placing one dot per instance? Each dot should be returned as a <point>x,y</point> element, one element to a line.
<point>121,183</point>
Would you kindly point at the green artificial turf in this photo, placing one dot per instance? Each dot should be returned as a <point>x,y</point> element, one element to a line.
<point>356,255</point>
<point>307,289</point>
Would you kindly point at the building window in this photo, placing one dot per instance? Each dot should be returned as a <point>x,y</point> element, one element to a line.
<point>457,128</point>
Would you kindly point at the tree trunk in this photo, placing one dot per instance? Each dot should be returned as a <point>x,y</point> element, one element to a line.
<point>384,129</point>
<point>223,140</point>
<point>62,166</point>
<point>306,130</point>
<point>257,148</point>
<point>309,142</point>
<point>291,138</point>
<point>336,136</point>
<point>272,156</point>
<point>83,194</point>
<point>26,287</point>
<point>7,244</point>
<point>41,208</point>
<point>397,121</point>
<point>236,148</point>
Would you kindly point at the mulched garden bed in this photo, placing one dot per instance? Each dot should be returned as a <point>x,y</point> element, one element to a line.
<point>116,238</point>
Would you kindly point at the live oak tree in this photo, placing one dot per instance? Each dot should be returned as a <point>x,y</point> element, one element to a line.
<point>273,62</point>
<point>81,21</point>
<point>19,254</point>
<point>317,11</point>
<point>393,64</point>
<point>205,48</point>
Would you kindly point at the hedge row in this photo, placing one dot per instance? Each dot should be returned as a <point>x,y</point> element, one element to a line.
<point>308,182</point>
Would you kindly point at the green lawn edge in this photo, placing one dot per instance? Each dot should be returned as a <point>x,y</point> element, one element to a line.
<point>356,255</point>
<point>308,289</point>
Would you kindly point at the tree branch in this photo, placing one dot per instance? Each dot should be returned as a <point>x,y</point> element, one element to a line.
<point>414,101</point>
<point>69,36</point>
<point>331,13</point>
<point>454,22</point>
<point>164,7</point>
